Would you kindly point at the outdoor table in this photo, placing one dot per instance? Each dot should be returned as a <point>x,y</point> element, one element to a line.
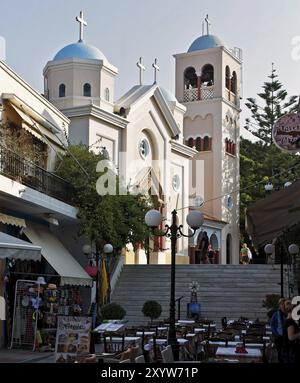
<point>162,328</point>
<point>199,330</point>
<point>211,326</point>
<point>234,344</point>
<point>253,355</point>
<point>185,322</point>
<point>146,333</point>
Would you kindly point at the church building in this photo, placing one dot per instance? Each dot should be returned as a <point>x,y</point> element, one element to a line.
<point>151,134</point>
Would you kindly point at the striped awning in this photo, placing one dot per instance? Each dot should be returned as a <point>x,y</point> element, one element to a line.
<point>10,220</point>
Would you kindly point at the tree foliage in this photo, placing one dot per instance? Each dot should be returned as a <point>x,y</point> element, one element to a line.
<point>117,219</point>
<point>275,103</point>
<point>262,161</point>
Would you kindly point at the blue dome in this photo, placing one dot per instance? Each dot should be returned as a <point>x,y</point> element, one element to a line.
<point>79,50</point>
<point>206,42</point>
<point>169,96</point>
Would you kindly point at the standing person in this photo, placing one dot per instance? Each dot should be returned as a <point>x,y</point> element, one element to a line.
<point>203,247</point>
<point>277,325</point>
<point>291,336</point>
<point>244,254</point>
<point>210,254</point>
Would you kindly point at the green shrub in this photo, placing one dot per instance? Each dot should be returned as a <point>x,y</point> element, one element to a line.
<point>152,310</point>
<point>112,311</point>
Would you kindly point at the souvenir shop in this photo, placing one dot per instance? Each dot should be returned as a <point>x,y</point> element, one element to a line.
<point>40,281</point>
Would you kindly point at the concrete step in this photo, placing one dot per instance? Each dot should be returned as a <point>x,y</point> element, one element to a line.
<point>225,290</point>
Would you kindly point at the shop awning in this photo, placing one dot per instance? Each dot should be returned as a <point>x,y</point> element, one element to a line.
<point>58,256</point>
<point>35,128</point>
<point>268,218</point>
<point>12,247</point>
<point>10,220</point>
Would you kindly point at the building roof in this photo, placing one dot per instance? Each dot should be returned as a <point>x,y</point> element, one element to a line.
<point>206,42</point>
<point>79,50</point>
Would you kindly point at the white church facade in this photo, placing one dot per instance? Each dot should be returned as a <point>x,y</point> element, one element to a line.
<point>148,132</point>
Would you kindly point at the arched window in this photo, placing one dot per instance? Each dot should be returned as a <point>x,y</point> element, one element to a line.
<point>87,90</point>
<point>62,90</point>
<point>191,142</point>
<point>233,83</point>
<point>207,75</point>
<point>106,94</point>
<point>227,77</point>
<point>190,78</point>
<point>198,143</point>
<point>206,143</point>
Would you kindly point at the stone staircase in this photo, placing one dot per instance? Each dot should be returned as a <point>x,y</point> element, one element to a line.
<point>225,290</point>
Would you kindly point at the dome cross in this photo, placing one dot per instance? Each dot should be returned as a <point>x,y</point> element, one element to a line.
<point>82,23</point>
<point>208,23</point>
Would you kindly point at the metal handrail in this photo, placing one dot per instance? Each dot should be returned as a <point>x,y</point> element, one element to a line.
<point>13,166</point>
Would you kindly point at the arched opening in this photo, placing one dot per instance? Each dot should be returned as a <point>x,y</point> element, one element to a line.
<point>106,94</point>
<point>62,90</point>
<point>214,242</point>
<point>206,143</point>
<point>207,77</point>
<point>227,77</point>
<point>191,142</point>
<point>198,143</point>
<point>228,249</point>
<point>233,83</point>
<point>87,90</point>
<point>190,78</point>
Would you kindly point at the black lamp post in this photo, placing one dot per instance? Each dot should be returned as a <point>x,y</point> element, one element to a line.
<point>153,219</point>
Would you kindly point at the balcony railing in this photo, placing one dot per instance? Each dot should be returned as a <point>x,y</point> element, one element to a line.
<point>204,93</point>
<point>17,168</point>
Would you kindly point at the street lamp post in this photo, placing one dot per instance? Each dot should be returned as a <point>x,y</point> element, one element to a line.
<point>294,252</point>
<point>194,219</point>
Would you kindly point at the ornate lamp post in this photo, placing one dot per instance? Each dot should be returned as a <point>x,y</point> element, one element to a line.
<point>194,219</point>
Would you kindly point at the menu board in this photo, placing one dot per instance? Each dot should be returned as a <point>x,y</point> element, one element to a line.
<point>72,338</point>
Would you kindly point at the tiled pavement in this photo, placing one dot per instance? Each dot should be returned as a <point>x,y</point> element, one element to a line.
<point>25,356</point>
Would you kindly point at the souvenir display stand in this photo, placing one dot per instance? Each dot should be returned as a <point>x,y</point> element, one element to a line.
<point>36,310</point>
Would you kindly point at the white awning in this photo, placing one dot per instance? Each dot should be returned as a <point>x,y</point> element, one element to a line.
<point>12,247</point>
<point>35,128</point>
<point>10,220</point>
<point>58,256</point>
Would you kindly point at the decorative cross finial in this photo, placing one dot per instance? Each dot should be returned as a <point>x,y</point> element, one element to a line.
<point>141,68</point>
<point>208,23</point>
<point>82,23</point>
<point>156,69</point>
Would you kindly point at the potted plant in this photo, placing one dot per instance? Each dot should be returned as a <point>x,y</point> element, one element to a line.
<point>112,311</point>
<point>271,303</point>
<point>152,310</point>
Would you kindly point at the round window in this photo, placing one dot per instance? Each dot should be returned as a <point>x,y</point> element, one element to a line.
<point>144,148</point>
<point>176,182</point>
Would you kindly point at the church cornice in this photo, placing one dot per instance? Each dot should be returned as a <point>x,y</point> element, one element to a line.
<point>183,149</point>
<point>204,52</point>
<point>95,111</point>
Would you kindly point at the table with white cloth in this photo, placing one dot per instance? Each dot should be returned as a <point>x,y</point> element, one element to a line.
<point>253,354</point>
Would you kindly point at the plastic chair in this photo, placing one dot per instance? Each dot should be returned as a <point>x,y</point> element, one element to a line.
<point>140,359</point>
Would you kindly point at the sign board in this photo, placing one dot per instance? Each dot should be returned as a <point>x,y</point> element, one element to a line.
<point>72,338</point>
<point>286,132</point>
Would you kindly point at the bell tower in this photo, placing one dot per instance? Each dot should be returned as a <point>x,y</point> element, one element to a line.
<point>208,83</point>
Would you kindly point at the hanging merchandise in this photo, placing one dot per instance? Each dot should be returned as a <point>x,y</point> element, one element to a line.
<point>25,314</point>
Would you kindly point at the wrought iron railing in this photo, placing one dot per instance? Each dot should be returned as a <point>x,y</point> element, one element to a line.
<point>29,174</point>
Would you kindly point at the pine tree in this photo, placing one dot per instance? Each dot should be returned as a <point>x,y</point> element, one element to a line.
<point>276,103</point>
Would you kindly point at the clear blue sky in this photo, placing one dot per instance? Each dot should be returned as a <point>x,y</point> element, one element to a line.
<point>124,30</point>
